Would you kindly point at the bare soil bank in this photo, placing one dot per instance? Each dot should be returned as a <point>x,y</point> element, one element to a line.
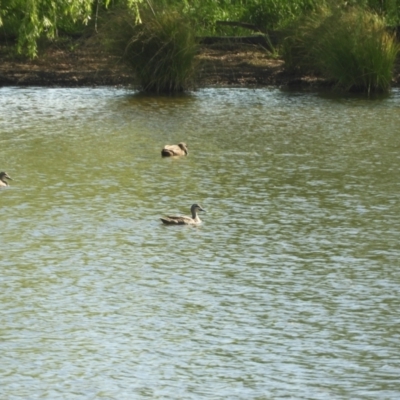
<point>237,65</point>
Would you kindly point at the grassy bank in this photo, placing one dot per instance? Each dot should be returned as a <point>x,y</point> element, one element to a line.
<point>347,44</point>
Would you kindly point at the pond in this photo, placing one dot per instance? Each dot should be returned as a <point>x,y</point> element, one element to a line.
<point>290,288</point>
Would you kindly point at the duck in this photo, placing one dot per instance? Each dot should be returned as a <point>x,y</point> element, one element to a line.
<point>171,150</point>
<point>3,177</point>
<point>183,220</point>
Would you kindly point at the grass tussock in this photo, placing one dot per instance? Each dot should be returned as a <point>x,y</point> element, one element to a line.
<point>351,47</point>
<point>161,48</point>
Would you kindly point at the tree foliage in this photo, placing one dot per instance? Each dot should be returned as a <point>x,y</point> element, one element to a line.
<point>29,20</point>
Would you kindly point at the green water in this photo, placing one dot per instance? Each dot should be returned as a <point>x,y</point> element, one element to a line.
<point>289,289</point>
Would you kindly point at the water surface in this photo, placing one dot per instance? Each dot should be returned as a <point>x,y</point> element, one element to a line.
<point>289,289</point>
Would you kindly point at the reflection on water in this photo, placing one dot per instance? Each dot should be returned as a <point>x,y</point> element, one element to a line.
<point>289,289</point>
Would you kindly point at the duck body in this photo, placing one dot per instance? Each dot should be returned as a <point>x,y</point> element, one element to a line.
<point>172,150</point>
<point>183,220</point>
<point>3,177</point>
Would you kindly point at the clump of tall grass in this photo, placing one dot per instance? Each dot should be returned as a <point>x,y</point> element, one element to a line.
<point>161,47</point>
<point>351,46</point>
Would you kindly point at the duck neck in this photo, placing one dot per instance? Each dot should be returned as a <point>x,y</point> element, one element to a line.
<point>196,218</point>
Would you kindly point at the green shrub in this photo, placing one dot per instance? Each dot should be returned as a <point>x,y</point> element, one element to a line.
<point>161,48</point>
<point>300,41</point>
<point>350,46</point>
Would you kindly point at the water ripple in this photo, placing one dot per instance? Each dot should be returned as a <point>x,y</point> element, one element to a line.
<point>290,288</point>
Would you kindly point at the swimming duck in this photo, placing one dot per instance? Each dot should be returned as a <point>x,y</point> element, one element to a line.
<point>3,177</point>
<point>170,150</point>
<point>178,220</point>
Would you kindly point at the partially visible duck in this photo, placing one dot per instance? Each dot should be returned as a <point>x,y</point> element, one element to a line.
<point>3,177</point>
<point>183,220</point>
<point>170,150</point>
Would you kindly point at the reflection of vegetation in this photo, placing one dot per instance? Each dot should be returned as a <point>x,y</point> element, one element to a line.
<point>161,49</point>
<point>352,47</point>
